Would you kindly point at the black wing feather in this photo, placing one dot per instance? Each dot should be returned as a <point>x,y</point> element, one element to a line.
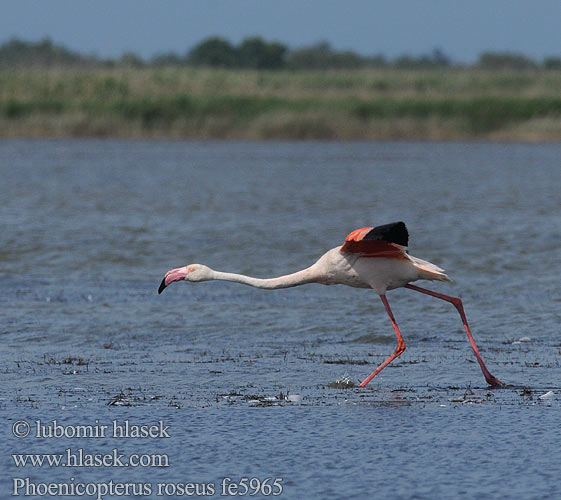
<point>395,232</point>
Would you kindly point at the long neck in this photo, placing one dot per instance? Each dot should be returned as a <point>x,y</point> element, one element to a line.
<point>309,275</point>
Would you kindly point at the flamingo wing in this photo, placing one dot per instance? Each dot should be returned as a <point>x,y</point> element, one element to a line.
<point>389,240</point>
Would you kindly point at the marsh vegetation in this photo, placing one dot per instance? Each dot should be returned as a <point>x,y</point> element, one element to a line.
<point>500,98</point>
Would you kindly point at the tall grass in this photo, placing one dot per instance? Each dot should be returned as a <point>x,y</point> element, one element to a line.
<point>360,104</point>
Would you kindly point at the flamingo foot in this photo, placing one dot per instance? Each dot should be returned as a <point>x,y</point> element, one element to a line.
<point>493,381</point>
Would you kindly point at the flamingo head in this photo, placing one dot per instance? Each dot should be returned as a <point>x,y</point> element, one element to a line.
<point>192,272</point>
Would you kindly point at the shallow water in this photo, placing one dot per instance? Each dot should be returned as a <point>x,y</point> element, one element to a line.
<point>90,227</point>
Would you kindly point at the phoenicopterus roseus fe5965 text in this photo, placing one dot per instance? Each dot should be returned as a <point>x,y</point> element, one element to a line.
<point>371,257</point>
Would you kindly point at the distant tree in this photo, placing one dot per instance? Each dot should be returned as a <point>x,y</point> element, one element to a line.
<point>214,51</point>
<point>322,56</point>
<point>258,54</point>
<point>131,60</point>
<point>437,59</point>
<point>378,61</point>
<point>167,59</point>
<point>552,63</point>
<point>43,53</point>
<point>505,60</point>
<point>407,62</point>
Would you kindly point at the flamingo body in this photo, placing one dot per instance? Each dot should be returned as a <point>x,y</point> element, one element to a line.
<point>370,257</point>
<point>337,267</point>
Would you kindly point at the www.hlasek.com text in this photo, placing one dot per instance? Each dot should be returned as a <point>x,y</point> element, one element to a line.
<point>81,458</point>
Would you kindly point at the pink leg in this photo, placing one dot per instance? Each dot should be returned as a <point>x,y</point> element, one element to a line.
<point>398,350</point>
<point>458,305</point>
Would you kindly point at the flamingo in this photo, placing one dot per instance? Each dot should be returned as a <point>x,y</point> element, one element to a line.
<point>371,257</point>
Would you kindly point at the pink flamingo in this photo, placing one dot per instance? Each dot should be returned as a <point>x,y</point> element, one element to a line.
<point>373,258</point>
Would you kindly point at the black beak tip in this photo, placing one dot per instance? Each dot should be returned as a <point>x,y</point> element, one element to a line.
<point>162,286</point>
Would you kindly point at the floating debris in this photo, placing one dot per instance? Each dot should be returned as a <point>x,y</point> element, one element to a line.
<point>174,403</point>
<point>347,361</point>
<point>343,382</point>
<point>294,398</point>
<point>259,400</point>
<point>119,400</point>
<point>526,392</point>
<point>468,397</point>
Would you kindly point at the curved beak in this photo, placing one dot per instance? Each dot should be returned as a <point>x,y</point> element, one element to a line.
<point>173,275</point>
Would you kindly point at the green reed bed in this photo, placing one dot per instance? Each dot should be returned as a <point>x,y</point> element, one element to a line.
<point>364,104</point>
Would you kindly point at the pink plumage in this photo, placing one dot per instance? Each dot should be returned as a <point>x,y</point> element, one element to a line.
<point>371,257</point>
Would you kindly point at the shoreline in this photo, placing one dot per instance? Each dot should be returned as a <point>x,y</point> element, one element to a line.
<point>240,138</point>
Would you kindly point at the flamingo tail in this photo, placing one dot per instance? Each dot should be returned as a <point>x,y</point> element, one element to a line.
<point>429,271</point>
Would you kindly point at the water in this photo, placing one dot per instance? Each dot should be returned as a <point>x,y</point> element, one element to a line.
<point>88,228</point>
